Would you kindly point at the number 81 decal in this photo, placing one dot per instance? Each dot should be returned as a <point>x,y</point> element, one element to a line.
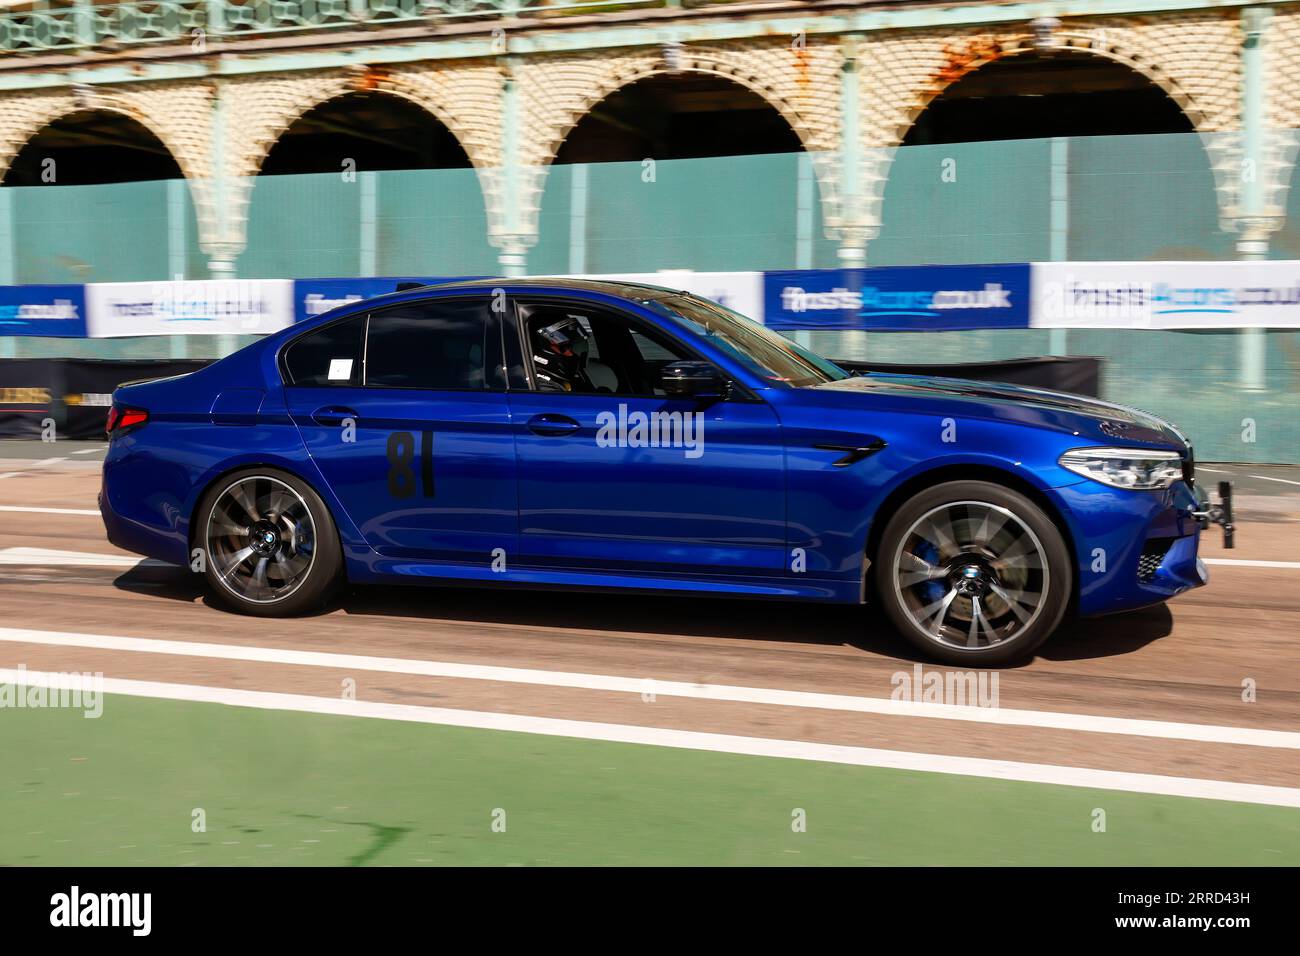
<point>401,455</point>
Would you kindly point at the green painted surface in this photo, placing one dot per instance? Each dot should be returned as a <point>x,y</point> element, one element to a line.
<point>111,233</point>
<point>1129,198</point>
<point>736,214</point>
<point>1146,197</point>
<point>310,225</point>
<point>286,788</point>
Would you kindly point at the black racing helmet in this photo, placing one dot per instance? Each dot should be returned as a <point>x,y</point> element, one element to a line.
<point>560,354</point>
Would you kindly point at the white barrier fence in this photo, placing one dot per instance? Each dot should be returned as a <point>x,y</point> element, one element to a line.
<point>1061,295</point>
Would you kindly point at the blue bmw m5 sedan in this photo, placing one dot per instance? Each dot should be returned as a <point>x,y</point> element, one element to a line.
<point>588,434</point>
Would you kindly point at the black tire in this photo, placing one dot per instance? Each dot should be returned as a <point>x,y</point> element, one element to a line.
<point>992,582</point>
<point>302,568</point>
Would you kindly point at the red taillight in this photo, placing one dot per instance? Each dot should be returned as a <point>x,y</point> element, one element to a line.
<point>120,418</point>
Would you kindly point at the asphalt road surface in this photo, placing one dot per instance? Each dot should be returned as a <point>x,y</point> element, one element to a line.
<point>1203,692</point>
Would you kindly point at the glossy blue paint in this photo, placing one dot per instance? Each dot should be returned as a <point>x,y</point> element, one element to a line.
<point>587,506</point>
<point>531,487</point>
<point>471,507</point>
<point>1117,524</point>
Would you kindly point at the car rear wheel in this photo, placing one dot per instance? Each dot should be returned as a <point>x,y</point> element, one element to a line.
<point>973,573</point>
<point>269,544</point>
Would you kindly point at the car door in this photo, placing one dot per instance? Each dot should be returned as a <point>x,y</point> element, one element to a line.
<point>404,411</point>
<point>615,474</point>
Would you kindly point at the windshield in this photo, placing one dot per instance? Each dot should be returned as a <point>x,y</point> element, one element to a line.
<point>759,349</point>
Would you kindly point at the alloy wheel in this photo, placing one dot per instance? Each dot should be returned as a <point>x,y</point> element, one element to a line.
<point>261,539</point>
<point>971,574</point>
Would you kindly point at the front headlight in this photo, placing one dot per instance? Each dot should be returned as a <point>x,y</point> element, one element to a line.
<point>1135,468</point>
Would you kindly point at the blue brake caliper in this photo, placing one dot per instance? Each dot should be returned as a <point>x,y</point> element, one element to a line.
<point>931,591</point>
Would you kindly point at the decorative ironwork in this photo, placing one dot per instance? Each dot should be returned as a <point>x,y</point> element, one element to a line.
<point>83,26</point>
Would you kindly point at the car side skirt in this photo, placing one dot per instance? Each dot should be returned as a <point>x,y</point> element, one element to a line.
<point>377,569</point>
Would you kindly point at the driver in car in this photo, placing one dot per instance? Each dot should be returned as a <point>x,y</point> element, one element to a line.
<point>560,356</point>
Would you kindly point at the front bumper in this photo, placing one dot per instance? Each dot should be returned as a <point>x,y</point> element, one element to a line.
<point>1133,548</point>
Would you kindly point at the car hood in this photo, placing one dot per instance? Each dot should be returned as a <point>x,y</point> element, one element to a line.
<point>1092,417</point>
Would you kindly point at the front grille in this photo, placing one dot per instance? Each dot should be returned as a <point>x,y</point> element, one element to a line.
<point>1153,552</point>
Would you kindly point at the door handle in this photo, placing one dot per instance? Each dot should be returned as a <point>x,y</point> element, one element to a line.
<point>550,424</point>
<point>332,415</point>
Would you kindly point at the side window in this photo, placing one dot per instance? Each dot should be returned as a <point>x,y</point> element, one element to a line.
<point>652,351</point>
<point>591,351</point>
<point>435,344</point>
<point>328,356</point>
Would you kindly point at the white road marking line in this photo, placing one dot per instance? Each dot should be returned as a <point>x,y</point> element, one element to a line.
<point>51,511</point>
<point>46,557</point>
<point>88,451</point>
<point>686,740</point>
<point>1214,471</point>
<point>1243,563</point>
<point>1285,481</point>
<point>1205,733</point>
<point>32,465</point>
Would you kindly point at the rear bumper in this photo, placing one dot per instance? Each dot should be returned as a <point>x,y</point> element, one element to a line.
<point>137,519</point>
<point>1132,548</point>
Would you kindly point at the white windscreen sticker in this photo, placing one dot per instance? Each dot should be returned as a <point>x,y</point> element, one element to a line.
<point>340,370</point>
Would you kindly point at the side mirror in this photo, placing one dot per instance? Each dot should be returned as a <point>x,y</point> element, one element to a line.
<point>692,379</point>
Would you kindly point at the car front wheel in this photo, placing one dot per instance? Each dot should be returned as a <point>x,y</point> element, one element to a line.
<point>269,544</point>
<point>973,573</point>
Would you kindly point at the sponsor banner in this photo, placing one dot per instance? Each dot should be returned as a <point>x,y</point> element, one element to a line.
<point>28,391</point>
<point>88,384</point>
<point>739,291</point>
<point>199,307</point>
<point>72,395</point>
<point>53,310</point>
<point>313,297</point>
<point>899,298</point>
<point>1166,295</point>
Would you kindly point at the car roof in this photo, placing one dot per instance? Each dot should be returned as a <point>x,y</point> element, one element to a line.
<point>636,291</point>
<point>615,287</point>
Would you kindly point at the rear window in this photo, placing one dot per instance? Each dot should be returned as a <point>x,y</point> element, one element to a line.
<point>437,344</point>
<point>328,356</point>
